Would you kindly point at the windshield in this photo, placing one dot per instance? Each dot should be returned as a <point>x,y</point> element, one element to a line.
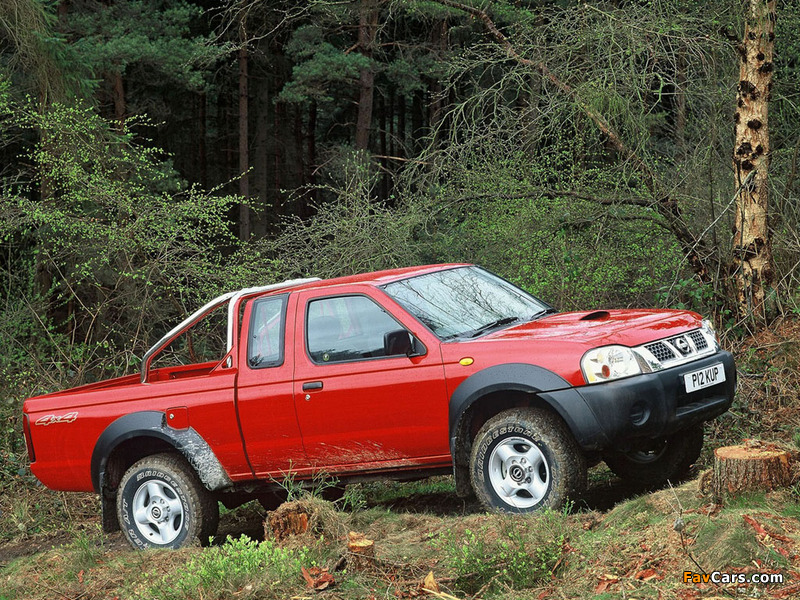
<point>465,302</point>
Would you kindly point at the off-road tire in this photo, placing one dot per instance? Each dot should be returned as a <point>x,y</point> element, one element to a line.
<point>543,430</point>
<point>679,452</point>
<point>179,487</point>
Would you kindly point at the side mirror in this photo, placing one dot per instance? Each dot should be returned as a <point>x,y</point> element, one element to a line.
<point>400,342</point>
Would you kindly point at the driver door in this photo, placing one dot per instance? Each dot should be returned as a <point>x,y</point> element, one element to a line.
<point>358,404</point>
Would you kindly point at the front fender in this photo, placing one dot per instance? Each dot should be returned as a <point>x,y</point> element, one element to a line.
<point>153,424</point>
<point>549,387</point>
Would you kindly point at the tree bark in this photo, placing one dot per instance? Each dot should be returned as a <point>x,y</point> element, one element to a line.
<point>201,140</point>
<point>288,520</point>
<point>361,551</point>
<point>244,156</point>
<point>280,154</point>
<point>311,138</point>
<point>260,150</point>
<point>118,95</point>
<point>367,29</point>
<point>752,467</point>
<point>752,246</point>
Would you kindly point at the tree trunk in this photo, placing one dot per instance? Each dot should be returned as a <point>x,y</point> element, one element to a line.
<point>244,157</point>
<point>383,148</point>
<point>280,155</point>
<point>752,240</point>
<point>367,28</point>
<point>118,94</point>
<point>752,467</point>
<point>417,122</point>
<point>681,84</point>
<point>361,551</point>
<point>288,520</point>
<point>260,150</point>
<point>201,140</point>
<point>401,126</point>
<point>311,137</point>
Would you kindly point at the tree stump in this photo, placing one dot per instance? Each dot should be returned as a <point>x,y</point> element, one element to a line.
<point>287,520</point>
<point>361,551</point>
<point>750,467</point>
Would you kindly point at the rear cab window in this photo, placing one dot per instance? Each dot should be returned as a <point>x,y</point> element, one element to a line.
<point>267,332</point>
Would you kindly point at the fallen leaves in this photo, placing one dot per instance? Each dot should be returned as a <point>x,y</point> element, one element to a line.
<point>605,582</point>
<point>763,533</point>
<point>429,584</point>
<point>318,579</point>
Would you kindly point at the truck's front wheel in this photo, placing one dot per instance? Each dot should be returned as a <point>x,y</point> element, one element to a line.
<point>524,460</point>
<point>162,504</point>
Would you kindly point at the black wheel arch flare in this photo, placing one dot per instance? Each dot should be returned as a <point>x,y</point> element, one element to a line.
<point>153,424</point>
<point>550,388</point>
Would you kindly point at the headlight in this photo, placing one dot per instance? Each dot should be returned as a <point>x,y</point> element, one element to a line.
<point>708,328</point>
<point>610,362</point>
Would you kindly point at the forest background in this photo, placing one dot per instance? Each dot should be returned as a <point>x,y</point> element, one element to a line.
<point>155,153</point>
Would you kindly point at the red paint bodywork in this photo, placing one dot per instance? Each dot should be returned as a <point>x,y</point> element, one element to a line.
<point>371,416</point>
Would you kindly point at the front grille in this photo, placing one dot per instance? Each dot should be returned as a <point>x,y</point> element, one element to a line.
<point>699,340</point>
<point>679,349</point>
<point>661,351</point>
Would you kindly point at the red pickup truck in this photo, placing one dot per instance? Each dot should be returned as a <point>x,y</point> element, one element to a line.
<point>400,374</point>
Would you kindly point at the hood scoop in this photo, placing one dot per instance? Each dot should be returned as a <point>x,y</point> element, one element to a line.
<point>598,315</point>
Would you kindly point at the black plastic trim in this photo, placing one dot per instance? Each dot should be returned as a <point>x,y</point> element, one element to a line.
<point>153,424</point>
<point>523,377</point>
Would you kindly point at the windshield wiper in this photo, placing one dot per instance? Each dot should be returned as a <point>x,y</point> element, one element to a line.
<point>544,312</point>
<point>490,325</point>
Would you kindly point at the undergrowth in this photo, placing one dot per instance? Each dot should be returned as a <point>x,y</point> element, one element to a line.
<point>219,572</point>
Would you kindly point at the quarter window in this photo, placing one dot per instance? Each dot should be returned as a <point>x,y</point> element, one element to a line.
<point>265,344</point>
<point>347,328</point>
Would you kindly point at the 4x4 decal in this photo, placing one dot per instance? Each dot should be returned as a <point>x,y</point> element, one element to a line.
<point>51,419</point>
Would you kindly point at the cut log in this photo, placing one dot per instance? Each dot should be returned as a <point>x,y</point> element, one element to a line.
<point>287,520</point>
<point>751,467</point>
<point>362,551</point>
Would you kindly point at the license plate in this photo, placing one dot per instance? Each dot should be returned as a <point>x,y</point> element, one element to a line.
<point>697,380</point>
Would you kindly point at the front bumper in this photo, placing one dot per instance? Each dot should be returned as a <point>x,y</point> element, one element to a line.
<point>655,404</point>
<point>650,405</point>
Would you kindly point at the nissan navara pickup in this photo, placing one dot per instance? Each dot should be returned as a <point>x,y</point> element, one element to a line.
<point>396,374</point>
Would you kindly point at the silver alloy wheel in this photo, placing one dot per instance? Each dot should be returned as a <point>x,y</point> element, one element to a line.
<point>518,472</point>
<point>157,512</point>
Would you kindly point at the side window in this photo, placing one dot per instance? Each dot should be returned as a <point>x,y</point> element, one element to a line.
<point>347,328</point>
<point>266,332</point>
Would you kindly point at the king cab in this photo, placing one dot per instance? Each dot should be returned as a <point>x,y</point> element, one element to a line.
<point>394,374</point>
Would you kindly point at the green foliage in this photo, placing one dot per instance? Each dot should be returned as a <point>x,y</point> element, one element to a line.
<point>113,229</point>
<point>149,35</point>
<point>223,570</point>
<point>352,233</point>
<point>319,66</point>
<point>515,556</point>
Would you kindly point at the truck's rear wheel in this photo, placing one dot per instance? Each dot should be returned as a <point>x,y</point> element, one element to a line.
<point>162,504</point>
<point>658,460</point>
<point>524,460</point>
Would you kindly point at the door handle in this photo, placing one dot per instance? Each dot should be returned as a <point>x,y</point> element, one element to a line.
<point>312,385</point>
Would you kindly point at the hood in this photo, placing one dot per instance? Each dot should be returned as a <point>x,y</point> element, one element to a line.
<point>599,328</point>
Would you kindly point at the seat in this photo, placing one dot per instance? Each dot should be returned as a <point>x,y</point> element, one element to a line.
<point>323,333</point>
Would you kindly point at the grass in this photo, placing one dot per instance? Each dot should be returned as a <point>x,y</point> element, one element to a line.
<point>558,554</point>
